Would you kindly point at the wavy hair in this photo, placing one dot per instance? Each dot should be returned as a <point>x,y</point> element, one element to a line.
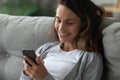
<point>89,37</point>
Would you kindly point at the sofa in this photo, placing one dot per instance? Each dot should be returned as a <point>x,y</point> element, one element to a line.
<point>25,32</point>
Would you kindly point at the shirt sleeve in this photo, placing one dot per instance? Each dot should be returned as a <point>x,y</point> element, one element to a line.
<point>94,68</point>
<point>49,77</point>
<point>43,51</point>
<point>45,47</point>
<point>25,77</point>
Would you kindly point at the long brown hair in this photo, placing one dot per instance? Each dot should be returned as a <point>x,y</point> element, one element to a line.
<point>90,35</point>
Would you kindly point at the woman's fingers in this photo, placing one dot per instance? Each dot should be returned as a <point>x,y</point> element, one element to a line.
<point>31,62</point>
<point>38,59</point>
<point>27,68</point>
<point>36,71</point>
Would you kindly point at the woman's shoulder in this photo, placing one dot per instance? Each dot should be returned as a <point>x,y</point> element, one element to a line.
<point>91,56</point>
<point>50,44</point>
<point>47,46</point>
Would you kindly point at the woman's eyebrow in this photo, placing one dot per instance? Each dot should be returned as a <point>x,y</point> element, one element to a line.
<point>57,17</point>
<point>65,19</point>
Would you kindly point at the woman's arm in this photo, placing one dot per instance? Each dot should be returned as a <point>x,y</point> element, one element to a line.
<point>94,68</point>
<point>42,49</point>
<point>35,71</point>
<point>25,77</point>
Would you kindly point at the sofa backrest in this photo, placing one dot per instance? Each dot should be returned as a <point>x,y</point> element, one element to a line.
<point>18,32</point>
<point>111,43</point>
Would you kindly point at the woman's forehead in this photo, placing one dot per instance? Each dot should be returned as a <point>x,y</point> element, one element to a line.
<point>63,11</point>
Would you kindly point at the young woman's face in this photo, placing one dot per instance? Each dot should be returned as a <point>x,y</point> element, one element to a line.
<point>67,24</point>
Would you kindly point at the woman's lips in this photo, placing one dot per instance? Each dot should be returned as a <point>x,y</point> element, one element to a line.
<point>64,34</point>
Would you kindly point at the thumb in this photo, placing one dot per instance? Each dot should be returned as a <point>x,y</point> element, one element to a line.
<point>38,58</point>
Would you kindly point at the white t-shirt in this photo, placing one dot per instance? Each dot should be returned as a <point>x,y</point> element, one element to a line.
<point>59,63</point>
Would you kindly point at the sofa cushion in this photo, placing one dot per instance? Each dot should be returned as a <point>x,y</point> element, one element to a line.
<point>111,43</point>
<point>16,33</point>
<point>26,32</point>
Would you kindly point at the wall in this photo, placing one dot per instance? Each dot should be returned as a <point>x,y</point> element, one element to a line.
<point>100,2</point>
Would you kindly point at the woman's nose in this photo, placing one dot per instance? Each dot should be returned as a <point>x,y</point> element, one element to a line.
<point>61,27</point>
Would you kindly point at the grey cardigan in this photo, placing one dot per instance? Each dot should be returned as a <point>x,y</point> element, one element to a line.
<point>89,66</point>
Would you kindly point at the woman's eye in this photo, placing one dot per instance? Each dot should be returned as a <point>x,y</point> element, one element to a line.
<point>58,21</point>
<point>69,22</point>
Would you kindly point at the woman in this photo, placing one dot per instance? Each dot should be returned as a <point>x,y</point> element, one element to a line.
<point>76,54</point>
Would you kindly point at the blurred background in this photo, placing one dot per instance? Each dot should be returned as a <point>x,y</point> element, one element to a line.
<point>47,7</point>
<point>28,7</point>
<point>112,7</point>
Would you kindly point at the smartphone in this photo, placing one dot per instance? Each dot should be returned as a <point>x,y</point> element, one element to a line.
<point>31,54</point>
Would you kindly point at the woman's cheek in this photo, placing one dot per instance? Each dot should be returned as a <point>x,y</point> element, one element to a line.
<point>56,27</point>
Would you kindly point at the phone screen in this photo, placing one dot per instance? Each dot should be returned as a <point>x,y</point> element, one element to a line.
<point>31,54</point>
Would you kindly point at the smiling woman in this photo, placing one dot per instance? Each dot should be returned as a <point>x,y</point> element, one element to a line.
<point>67,26</point>
<point>77,51</point>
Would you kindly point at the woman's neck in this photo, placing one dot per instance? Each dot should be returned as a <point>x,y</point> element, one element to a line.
<point>68,46</point>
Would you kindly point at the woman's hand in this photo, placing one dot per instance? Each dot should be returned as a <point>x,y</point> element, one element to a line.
<point>36,71</point>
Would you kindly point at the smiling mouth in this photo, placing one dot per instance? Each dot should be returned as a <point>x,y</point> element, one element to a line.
<point>64,35</point>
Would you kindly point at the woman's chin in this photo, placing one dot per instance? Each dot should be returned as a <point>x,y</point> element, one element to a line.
<point>63,40</point>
